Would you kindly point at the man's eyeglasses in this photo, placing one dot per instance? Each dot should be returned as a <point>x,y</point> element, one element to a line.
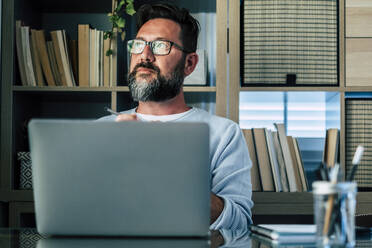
<point>158,47</point>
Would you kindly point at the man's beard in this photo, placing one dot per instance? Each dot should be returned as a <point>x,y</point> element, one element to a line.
<point>159,89</point>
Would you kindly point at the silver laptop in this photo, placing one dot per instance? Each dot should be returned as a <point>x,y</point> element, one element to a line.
<point>93,242</point>
<point>127,178</point>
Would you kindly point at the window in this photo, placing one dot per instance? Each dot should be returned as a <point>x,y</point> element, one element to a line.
<point>305,114</point>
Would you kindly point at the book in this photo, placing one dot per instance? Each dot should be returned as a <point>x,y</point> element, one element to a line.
<point>106,63</point>
<point>84,54</point>
<point>255,174</point>
<point>263,159</point>
<point>301,168</point>
<point>113,60</point>
<point>293,186</point>
<point>36,59</point>
<point>296,166</point>
<point>66,57</point>
<point>260,241</point>
<point>53,64</point>
<point>273,161</point>
<point>20,56</point>
<point>100,58</point>
<point>61,65</point>
<point>287,233</point>
<point>44,58</point>
<point>279,156</point>
<point>331,147</point>
<point>26,50</point>
<point>73,51</point>
<point>93,81</point>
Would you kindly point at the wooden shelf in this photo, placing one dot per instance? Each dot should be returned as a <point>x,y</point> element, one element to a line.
<point>298,203</point>
<point>82,6</point>
<point>60,89</point>
<point>282,203</point>
<point>307,88</point>
<point>16,195</point>
<point>17,88</point>
<point>358,89</point>
<point>296,88</point>
<point>199,89</point>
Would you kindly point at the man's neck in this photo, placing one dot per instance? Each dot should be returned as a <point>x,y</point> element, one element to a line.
<point>175,105</point>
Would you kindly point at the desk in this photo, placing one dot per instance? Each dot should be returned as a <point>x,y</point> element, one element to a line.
<point>29,238</point>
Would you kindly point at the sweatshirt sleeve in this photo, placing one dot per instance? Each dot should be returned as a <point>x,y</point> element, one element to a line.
<point>231,179</point>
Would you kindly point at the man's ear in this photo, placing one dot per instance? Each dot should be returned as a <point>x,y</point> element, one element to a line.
<point>190,63</point>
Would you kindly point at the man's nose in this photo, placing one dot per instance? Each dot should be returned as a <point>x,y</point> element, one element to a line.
<point>147,54</point>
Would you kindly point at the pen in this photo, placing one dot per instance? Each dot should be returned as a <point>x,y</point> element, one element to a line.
<point>111,111</point>
<point>336,215</point>
<point>356,159</point>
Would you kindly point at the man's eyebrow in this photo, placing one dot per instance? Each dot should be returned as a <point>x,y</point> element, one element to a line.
<point>157,38</point>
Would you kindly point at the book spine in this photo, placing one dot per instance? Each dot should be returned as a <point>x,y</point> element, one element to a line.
<point>84,54</point>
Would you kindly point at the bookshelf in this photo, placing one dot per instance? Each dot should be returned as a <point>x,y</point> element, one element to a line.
<point>355,31</point>
<point>21,103</point>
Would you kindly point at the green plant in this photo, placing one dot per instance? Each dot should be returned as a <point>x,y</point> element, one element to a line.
<point>117,20</point>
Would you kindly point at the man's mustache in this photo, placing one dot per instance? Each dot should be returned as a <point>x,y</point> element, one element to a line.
<point>147,65</point>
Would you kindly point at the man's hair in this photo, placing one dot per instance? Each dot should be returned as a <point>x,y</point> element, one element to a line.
<point>189,25</point>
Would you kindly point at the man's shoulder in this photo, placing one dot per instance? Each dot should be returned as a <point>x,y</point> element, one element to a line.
<point>214,121</point>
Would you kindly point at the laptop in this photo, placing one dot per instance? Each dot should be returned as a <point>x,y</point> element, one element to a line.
<point>78,242</point>
<point>120,179</point>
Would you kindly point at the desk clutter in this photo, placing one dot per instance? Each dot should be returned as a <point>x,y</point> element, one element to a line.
<point>283,234</point>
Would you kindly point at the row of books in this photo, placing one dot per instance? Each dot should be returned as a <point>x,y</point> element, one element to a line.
<point>276,161</point>
<point>63,62</point>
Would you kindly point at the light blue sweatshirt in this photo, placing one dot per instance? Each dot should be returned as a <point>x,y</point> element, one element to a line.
<point>230,167</point>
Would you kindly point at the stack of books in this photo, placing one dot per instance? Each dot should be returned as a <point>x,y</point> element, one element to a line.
<point>276,160</point>
<point>61,62</point>
<point>284,235</point>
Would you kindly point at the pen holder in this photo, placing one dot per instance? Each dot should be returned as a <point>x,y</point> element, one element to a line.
<point>334,213</point>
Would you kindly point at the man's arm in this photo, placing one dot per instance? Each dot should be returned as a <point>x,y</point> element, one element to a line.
<point>231,180</point>
<point>216,207</point>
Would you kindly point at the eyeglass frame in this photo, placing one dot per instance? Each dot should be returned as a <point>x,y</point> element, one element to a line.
<point>149,43</point>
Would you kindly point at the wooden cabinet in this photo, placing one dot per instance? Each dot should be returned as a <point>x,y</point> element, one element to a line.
<point>358,55</point>
<point>354,80</point>
<point>358,15</point>
<point>358,35</point>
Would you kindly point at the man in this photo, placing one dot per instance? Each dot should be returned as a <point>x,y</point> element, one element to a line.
<point>162,55</point>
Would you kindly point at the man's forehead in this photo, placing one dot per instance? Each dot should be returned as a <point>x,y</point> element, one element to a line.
<point>159,28</point>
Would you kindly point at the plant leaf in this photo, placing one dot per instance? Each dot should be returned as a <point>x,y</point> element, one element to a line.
<point>123,35</point>
<point>107,35</point>
<point>109,52</point>
<point>120,22</point>
<point>130,9</point>
<point>121,3</point>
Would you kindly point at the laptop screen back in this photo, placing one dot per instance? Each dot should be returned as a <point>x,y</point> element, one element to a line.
<point>127,178</point>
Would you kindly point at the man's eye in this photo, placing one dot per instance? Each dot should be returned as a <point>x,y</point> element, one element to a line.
<point>137,44</point>
<point>160,45</point>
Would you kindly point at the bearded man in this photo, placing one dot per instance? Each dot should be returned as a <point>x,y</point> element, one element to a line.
<point>162,55</point>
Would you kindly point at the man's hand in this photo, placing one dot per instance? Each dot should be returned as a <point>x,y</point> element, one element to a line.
<point>216,207</point>
<point>126,117</point>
